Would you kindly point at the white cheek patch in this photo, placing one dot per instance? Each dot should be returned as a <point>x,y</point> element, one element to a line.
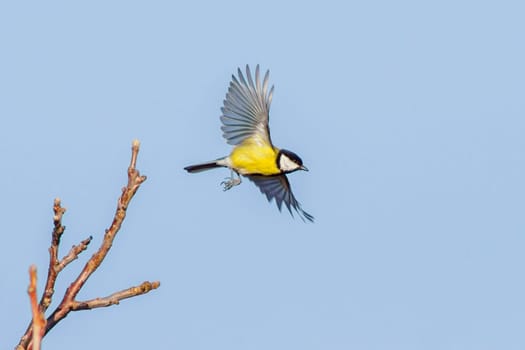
<point>286,164</point>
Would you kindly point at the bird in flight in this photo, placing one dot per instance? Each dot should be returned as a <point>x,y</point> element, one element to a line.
<point>244,118</point>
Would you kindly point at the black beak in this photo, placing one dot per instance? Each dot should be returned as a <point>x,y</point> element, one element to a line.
<point>303,168</point>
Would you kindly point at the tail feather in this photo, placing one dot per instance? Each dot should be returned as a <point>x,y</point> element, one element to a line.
<point>202,167</point>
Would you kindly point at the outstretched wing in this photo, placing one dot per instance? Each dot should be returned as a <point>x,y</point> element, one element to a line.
<point>278,188</point>
<point>246,108</point>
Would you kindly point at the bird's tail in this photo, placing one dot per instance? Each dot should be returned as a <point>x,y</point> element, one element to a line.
<point>204,166</point>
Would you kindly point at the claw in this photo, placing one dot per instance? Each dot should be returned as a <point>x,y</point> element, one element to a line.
<point>230,182</point>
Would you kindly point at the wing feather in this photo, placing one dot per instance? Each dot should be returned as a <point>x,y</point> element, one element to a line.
<point>245,111</point>
<point>279,189</point>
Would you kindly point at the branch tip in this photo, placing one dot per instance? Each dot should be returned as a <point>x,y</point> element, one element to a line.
<point>134,153</point>
<point>32,279</point>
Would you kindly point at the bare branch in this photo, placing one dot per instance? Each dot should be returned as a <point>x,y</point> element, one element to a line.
<point>115,298</point>
<point>134,182</point>
<point>52,272</point>
<point>53,255</point>
<point>39,321</point>
<point>69,302</point>
<point>73,254</point>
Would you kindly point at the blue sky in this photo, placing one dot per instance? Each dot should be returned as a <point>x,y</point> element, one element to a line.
<point>409,115</point>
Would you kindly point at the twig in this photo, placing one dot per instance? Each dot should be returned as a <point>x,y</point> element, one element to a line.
<point>39,321</point>
<point>69,302</point>
<point>115,298</point>
<point>53,255</point>
<point>73,254</point>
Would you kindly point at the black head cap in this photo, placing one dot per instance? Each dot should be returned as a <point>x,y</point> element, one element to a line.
<point>292,156</point>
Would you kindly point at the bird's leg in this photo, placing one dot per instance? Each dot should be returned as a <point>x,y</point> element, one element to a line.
<point>229,182</point>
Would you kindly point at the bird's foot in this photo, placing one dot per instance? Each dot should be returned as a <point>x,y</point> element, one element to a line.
<point>229,182</point>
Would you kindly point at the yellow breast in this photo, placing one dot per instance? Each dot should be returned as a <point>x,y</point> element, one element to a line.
<point>254,158</point>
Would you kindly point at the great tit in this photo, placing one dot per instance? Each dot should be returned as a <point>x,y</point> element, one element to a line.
<point>245,117</point>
